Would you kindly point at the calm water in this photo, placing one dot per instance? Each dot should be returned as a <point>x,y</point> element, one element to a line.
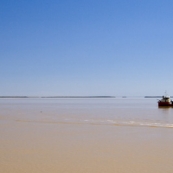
<point>85,135</point>
<point>124,112</point>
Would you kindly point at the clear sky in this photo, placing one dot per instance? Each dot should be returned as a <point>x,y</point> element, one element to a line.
<point>86,47</point>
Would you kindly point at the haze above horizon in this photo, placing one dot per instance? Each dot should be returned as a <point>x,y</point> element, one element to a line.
<point>107,47</point>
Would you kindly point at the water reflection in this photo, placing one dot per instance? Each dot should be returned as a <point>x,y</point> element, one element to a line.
<point>166,113</point>
<point>165,110</point>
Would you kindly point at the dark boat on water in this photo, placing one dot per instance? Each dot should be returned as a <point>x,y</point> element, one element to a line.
<point>165,101</point>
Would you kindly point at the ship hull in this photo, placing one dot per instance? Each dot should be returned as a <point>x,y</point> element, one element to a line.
<point>166,104</point>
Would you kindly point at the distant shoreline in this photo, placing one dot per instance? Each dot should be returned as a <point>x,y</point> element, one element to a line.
<point>155,96</point>
<point>57,97</point>
<point>44,97</point>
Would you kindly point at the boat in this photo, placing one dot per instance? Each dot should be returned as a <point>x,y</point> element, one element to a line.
<point>165,101</point>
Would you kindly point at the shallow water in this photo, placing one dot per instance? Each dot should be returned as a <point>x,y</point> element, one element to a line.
<point>124,112</point>
<point>85,135</point>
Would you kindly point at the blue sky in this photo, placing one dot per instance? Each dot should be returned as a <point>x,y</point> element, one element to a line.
<point>79,47</point>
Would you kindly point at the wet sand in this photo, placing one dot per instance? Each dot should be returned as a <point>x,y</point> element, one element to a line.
<point>34,140</point>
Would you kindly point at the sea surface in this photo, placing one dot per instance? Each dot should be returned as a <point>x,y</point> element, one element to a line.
<point>112,135</point>
<point>123,111</point>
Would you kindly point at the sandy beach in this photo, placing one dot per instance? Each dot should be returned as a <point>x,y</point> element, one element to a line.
<point>36,139</point>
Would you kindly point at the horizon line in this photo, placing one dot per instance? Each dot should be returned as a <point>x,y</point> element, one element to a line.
<point>101,96</point>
